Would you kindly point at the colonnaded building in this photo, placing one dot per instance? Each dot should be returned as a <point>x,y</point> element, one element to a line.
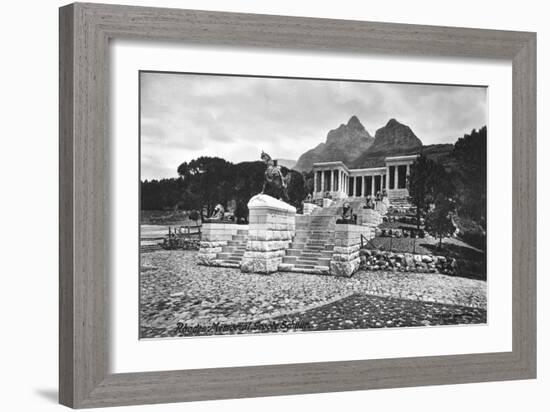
<point>341,182</point>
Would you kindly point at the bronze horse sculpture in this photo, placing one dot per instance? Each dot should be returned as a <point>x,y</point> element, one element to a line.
<point>275,184</point>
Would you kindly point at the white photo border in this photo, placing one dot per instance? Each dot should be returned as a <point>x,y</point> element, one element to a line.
<point>129,354</point>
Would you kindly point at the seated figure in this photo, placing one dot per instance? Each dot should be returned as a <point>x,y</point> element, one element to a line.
<point>347,215</point>
<point>369,204</point>
<point>218,214</point>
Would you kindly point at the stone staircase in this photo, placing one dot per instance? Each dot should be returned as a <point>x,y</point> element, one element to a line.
<point>313,245</point>
<point>232,254</point>
<point>399,199</point>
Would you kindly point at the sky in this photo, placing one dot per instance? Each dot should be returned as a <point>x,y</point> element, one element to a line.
<point>184,116</point>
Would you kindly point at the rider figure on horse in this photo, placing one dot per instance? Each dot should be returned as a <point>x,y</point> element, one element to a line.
<point>275,184</point>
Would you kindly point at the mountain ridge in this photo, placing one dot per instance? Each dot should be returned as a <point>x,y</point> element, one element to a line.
<point>352,144</point>
<point>337,145</point>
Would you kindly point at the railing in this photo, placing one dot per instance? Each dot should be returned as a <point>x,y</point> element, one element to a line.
<point>185,230</point>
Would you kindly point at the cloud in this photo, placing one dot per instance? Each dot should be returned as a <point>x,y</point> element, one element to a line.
<point>184,116</point>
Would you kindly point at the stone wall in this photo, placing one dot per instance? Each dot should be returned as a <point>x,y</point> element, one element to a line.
<point>347,242</point>
<point>271,229</point>
<point>407,262</point>
<point>214,237</point>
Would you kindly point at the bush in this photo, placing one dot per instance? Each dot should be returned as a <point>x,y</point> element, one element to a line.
<point>194,215</point>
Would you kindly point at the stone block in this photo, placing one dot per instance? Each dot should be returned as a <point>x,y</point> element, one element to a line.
<point>344,269</point>
<point>206,258</point>
<point>260,264</point>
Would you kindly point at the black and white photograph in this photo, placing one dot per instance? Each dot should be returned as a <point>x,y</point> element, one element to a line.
<point>288,205</point>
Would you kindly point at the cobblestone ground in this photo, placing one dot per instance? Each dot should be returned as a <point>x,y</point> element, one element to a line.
<point>178,298</point>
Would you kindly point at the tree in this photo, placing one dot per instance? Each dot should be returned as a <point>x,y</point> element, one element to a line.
<point>194,215</point>
<point>210,179</point>
<point>438,220</point>
<point>296,188</point>
<point>207,181</point>
<point>470,154</point>
<point>427,180</point>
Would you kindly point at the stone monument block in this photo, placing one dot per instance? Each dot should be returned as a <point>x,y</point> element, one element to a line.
<point>271,229</point>
<point>347,241</point>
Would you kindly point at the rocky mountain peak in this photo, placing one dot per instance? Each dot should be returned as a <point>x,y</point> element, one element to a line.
<point>354,123</point>
<point>344,143</point>
<point>394,136</point>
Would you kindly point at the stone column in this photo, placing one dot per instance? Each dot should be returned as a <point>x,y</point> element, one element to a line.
<point>322,181</point>
<point>271,228</point>
<point>347,241</point>
<point>314,183</point>
<point>372,185</point>
<point>345,184</point>
<point>395,176</point>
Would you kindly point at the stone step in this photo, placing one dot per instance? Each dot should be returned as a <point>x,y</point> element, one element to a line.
<point>316,270</point>
<point>236,243</point>
<point>313,248</point>
<point>315,242</point>
<point>293,252</point>
<point>304,266</point>
<point>321,254</point>
<point>230,249</point>
<point>226,263</point>
<point>233,259</point>
<point>317,235</point>
<point>313,263</point>
<point>230,256</point>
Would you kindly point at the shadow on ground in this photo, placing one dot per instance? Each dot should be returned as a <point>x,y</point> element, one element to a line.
<point>51,395</point>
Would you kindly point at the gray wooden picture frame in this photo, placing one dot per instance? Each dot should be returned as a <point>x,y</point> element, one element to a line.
<point>85,31</point>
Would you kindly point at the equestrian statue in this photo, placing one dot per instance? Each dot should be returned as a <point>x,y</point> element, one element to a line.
<point>275,184</point>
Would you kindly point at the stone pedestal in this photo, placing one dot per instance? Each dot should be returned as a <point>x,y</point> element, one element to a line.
<point>327,202</point>
<point>347,242</point>
<point>271,228</point>
<point>213,238</point>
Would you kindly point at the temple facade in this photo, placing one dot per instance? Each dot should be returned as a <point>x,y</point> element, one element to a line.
<point>341,182</point>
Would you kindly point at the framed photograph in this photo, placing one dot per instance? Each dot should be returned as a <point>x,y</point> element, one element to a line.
<point>256,205</point>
